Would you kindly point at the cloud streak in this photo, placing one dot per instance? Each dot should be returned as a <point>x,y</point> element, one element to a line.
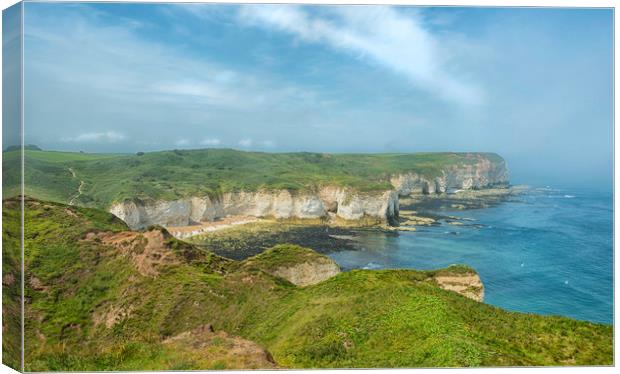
<point>101,137</point>
<point>114,78</point>
<point>380,35</point>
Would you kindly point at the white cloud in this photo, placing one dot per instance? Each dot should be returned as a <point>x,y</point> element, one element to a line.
<point>268,143</point>
<point>210,141</point>
<point>378,34</point>
<point>91,137</point>
<point>154,91</point>
<point>122,66</point>
<point>246,142</point>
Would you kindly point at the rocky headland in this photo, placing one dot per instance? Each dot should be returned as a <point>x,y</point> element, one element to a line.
<point>329,202</point>
<point>298,265</point>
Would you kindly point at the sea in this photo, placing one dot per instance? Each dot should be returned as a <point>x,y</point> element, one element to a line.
<point>546,251</point>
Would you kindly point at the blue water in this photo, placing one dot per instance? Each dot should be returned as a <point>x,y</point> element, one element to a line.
<point>548,251</point>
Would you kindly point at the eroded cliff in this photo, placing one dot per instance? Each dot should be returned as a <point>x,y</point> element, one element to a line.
<point>343,203</point>
<point>300,266</point>
<point>347,203</point>
<point>481,172</point>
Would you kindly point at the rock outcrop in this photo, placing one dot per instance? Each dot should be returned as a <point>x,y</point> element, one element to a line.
<point>342,202</point>
<point>467,284</point>
<point>308,273</point>
<point>481,172</point>
<point>298,265</point>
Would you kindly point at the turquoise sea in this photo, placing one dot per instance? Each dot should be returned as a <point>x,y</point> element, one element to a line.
<point>547,251</point>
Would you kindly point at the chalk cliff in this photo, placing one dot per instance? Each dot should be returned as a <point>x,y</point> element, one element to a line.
<point>480,173</point>
<point>342,202</point>
<point>300,266</point>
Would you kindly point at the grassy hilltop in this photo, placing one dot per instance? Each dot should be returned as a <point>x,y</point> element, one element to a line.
<point>172,174</point>
<point>100,297</point>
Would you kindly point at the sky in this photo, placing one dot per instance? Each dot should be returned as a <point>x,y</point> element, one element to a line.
<point>532,84</point>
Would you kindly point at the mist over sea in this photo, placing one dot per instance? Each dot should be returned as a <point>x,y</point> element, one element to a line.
<point>547,251</point>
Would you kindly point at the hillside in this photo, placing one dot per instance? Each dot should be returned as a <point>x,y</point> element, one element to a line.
<point>170,175</point>
<point>100,297</point>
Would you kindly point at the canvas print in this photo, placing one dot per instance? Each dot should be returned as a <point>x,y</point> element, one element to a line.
<point>287,186</point>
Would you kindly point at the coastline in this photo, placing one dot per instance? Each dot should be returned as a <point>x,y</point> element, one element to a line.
<point>200,296</point>
<point>245,238</point>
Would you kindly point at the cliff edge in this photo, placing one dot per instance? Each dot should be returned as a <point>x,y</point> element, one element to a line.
<point>300,266</point>
<point>472,171</point>
<point>184,187</point>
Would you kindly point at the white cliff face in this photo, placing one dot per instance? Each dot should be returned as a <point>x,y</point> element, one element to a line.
<point>308,273</point>
<point>344,203</point>
<point>481,173</point>
<point>130,212</point>
<point>354,207</point>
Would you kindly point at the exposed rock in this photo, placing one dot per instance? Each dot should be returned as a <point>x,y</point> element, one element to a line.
<point>148,251</point>
<point>344,237</point>
<point>466,284</point>
<point>400,228</point>
<point>461,199</point>
<point>308,273</point>
<point>348,205</point>
<point>8,279</point>
<point>37,285</point>
<point>411,218</point>
<point>481,172</point>
<point>300,266</point>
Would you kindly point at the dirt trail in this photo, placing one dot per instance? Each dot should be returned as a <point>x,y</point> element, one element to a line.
<point>79,193</point>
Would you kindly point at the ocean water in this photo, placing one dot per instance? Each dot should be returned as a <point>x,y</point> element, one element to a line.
<point>548,251</point>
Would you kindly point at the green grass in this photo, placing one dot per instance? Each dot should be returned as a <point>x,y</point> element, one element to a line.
<point>46,173</point>
<point>173,174</point>
<point>361,318</point>
<point>11,284</point>
<point>63,157</point>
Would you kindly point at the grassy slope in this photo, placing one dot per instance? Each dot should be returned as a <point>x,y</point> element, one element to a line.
<point>11,284</point>
<point>47,174</point>
<point>359,318</point>
<point>173,174</point>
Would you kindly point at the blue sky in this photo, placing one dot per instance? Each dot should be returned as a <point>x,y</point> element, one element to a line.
<point>534,85</point>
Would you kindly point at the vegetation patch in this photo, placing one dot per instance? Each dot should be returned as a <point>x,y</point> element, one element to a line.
<point>282,255</point>
<point>89,307</point>
<point>169,175</point>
